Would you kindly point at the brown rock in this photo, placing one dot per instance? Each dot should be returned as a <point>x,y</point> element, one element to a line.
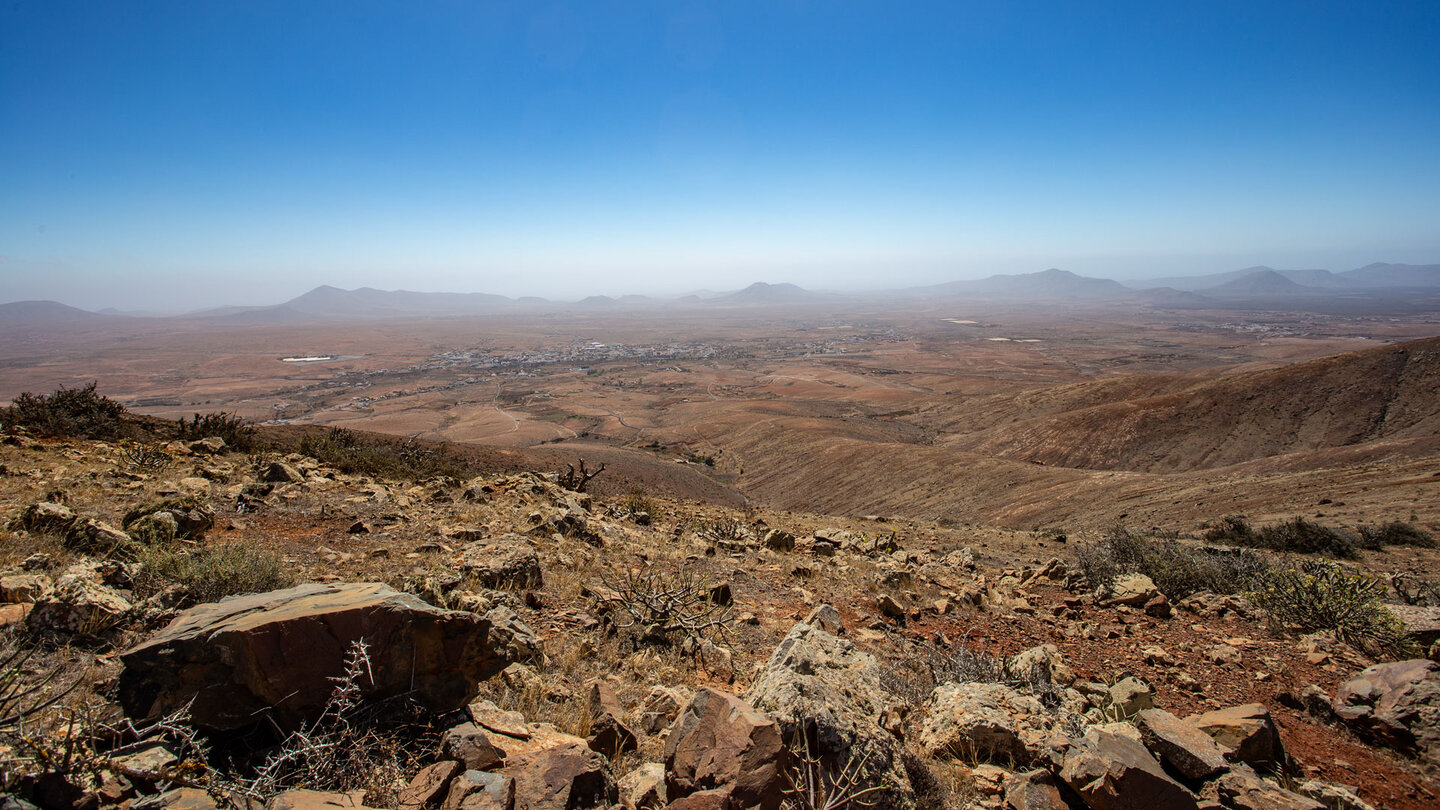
<point>315,800</point>
<point>1396,704</point>
<point>717,799</point>
<point>644,787</point>
<point>470,746</point>
<point>719,741</point>
<point>1111,772</point>
<point>278,472</point>
<point>1241,789</point>
<point>429,785</point>
<point>487,715</point>
<point>236,658</point>
<point>23,588</point>
<point>563,777</point>
<point>480,790</point>
<point>1247,733</point>
<point>511,563</point>
<point>1190,751</point>
<point>608,735</point>
<point>1035,790</point>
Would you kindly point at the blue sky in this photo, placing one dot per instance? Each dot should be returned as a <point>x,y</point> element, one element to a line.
<point>182,154</point>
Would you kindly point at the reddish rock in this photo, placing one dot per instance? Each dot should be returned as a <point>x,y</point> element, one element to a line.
<point>1112,772</point>
<point>480,790</point>
<point>316,800</point>
<point>565,777</point>
<point>608,734</point>
<point>1190,751</point>
<point>470,746</point>
<point>719,741</point>
<point>428,786</point>
<point>1247,732</point>
<point>717,799</point>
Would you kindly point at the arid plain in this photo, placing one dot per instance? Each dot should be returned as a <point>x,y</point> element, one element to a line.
<point>1029,416</point>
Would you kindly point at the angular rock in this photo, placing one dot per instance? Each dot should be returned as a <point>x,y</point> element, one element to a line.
<point>489,716</point>
<point>46,518</point>
<point>827,618</point>
<point>1132,696</point>
<point>644,787</point>
<point>98,539</point>
<point>1111,772</point>
<point>470,746</point>
<point>716,799</point>
<point>1332,796</point>
<point>1242,789</point>
<point>315,800</point>
<point>23,588</point>
<point>562,777</point>
<point>509,564</point>
<point>237,658</point>
<point>1190,751</point>
<point>1246,732</point>
<point>821,686</point>
<point>720,741</point>
<point>480,790</point>
<point>1034,790</point>
<point>1396,704</point>
<point>278,472</point>
<point>990,722</point>
<point>78,606</point>
<point>1046,659</point>
<point>429,785</point>
<point>178,799</point>
<point>608,734</point>
<point>1131,589</point>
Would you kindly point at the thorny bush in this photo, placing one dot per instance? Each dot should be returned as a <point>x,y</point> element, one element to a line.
<point>1324,595</point>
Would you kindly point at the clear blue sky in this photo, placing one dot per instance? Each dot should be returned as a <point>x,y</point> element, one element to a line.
<point>181,154</point>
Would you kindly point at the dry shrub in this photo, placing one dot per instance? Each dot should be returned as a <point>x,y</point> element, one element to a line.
<point>405,460</point>
<point>1396,533</point>
<point>1177,570</point>
<point>237,432</point>
<point>212,573</point>
<point>73,413</point>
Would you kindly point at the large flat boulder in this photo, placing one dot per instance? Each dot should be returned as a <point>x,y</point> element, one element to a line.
<point>820,686</point>
<point>278,653</point>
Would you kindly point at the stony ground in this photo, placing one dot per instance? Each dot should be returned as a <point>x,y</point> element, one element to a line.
<point>899,588</point>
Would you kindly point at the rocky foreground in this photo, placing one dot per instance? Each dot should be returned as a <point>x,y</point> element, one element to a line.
<point>506,642</point>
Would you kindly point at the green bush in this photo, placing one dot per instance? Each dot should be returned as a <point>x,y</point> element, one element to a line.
<point>212,573</point>
<point>349,452</point>
<point>1324,595</point>
<point>73,413</point>
<point>1177,570</point>
<point>1396,533</point>
<point>237,432</point>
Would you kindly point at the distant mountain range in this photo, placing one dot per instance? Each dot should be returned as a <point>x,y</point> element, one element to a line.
<point>1371,276</point>
<point>1251,286</point>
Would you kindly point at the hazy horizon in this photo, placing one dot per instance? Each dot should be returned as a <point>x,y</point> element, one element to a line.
<point>174,157</point>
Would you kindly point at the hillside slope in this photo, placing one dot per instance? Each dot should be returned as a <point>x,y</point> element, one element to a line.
<point>1339,401</point>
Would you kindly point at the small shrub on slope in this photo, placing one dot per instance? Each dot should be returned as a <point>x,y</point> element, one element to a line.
<point>70,413</point>
<point>213,573</point>
<point>1324,595</point>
